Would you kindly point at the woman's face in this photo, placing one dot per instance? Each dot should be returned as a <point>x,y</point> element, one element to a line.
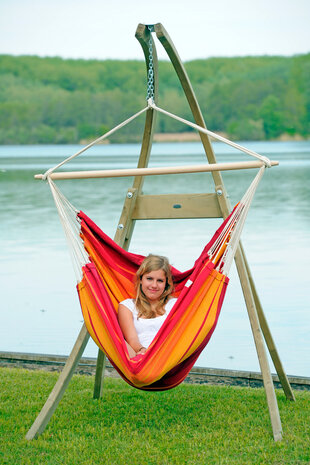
<point>153,284</point>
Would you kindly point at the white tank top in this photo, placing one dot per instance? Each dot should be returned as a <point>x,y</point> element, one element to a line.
<point>147,327</point>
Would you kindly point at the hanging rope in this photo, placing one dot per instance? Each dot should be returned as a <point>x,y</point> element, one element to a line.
<point>237,223</point>
<point>264,159</point>
<point>151,104</point>
<point>96,141</point>
<point>71,226</point>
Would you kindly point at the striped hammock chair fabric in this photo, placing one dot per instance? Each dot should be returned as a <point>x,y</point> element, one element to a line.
<point>108,279</point>
<point>105,274</point>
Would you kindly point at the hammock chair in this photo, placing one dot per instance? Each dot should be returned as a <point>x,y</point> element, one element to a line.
<point>106,277</point>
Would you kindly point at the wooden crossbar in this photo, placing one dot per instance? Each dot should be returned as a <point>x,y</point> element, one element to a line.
<point>157,171</point>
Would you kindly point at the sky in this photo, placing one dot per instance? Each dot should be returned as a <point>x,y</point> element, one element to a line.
<point>94,29</point>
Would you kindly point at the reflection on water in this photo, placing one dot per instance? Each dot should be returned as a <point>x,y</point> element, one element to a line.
<point>40,310</point>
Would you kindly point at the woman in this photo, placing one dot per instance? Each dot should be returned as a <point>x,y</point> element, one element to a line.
<point>141,318</point>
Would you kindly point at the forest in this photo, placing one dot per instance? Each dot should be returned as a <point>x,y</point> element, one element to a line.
<point>58,101</point>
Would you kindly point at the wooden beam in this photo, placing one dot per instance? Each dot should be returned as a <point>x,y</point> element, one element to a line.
<point>155,207</point>
<point>242,165</point>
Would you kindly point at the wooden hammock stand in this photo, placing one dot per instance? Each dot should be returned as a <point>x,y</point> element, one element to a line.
<point>140,207</point>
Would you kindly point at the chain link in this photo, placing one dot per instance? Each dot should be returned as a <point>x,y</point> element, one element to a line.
<point>150,73</point>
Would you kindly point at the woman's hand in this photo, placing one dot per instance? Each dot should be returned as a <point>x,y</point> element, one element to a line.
<point>141,351</point>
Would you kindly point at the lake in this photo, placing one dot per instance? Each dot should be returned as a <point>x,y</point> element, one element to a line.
<point>40,311</point>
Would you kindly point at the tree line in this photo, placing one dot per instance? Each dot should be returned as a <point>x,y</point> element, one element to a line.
<point>54,100</point>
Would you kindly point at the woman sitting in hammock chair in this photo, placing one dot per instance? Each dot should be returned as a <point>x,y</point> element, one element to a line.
<point>141,318</point>
<point>184,325</point>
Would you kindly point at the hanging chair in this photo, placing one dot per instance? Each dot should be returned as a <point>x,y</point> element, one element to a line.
<point>106,277</point>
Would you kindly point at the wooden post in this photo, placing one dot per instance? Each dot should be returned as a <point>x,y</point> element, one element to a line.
<point>99,376</point>
<point>268,336</point>
<point>58,391</point>
<point>260,348</point>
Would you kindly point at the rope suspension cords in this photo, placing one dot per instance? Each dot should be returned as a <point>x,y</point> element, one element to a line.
<point>105,275</point>
<point>260,159</point>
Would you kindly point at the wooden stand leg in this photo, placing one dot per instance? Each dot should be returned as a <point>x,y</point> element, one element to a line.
<point>268,337</point>
<point>260,348</point>
<point>59,389</point>
<point>101,361</point>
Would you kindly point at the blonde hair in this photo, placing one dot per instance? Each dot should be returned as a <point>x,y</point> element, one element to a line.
<point>153,263</point>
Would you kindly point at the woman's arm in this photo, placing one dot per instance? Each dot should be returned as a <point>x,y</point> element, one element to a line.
<point>127,326</point>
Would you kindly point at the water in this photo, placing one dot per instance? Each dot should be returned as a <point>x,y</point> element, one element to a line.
<point>39,307</point>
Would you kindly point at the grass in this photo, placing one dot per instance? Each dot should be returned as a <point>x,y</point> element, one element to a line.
<point>189,425</point>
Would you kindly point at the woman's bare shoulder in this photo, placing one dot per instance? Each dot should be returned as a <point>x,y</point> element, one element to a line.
<point>128,303</point>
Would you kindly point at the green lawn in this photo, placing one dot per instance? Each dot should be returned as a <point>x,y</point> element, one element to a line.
<point>191,424</point>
